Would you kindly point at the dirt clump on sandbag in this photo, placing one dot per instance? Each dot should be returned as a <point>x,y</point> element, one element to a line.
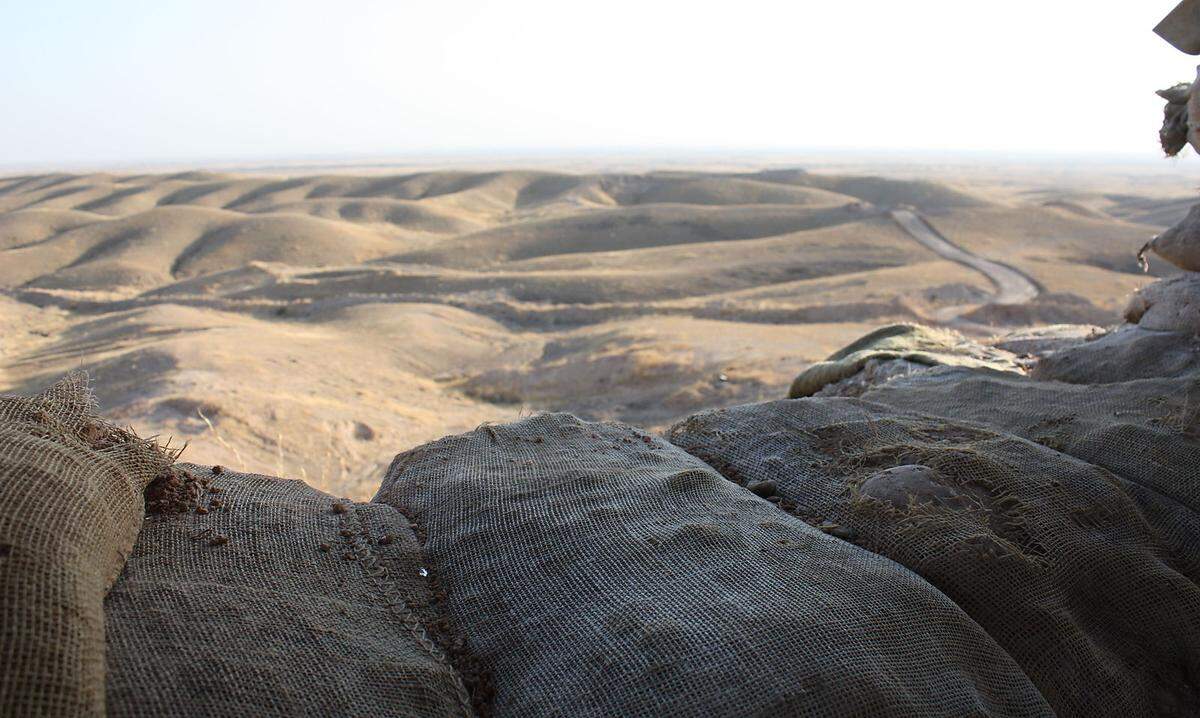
<point>279,601</point>
<point>914,344</point>
<point>177,491</point>
<point>597,570</point>
<point>1087,579</point>
<point>71,504</point>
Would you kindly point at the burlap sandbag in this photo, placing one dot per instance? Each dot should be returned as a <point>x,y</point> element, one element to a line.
<point>1076,572</point>
<point>599,571</point>
<point>276,602</point>
<point>1127,354</point>
<point>70,508</point>
<point>1168,305</point>
<point>1193,106</point>
<point>1179,245</point>
<point>910,342</point>
<point>1145,431</point>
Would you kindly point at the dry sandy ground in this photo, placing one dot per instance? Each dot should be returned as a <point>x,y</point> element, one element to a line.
<point>314,326</point>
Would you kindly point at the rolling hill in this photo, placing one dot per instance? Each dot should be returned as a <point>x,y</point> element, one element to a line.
<point>316,325</point>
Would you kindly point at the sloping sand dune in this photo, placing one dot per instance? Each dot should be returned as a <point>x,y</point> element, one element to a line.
<point>27,227</point>
<point>317,325</point>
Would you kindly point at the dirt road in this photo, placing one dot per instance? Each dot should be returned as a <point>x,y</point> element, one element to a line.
<point>1012,287</point>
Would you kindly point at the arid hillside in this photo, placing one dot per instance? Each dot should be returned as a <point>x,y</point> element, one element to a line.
<point>315,326</point>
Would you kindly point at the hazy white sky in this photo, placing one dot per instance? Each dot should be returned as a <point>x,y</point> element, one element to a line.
<point>129,81</point>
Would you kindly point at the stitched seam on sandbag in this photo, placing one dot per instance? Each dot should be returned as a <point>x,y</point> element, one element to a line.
<point>355,536</point>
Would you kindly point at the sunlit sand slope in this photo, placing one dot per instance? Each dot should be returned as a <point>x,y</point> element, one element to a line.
<point>315,326</point>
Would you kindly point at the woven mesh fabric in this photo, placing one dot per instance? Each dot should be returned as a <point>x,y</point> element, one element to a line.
<point>1145,431</point>
<point>598,571</point>
<point>70,507</point>
<point>241,613</point>
<point>1169,305</point>
<point>1131,352</point>
<point>1083,576</point>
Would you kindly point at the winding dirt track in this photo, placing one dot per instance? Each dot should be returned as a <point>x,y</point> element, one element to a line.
<point>1012,287</point>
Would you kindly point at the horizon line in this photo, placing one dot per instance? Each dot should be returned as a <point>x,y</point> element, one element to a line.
<point>513,157</point>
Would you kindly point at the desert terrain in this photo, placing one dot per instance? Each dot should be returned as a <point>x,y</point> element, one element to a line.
<point>314,325</point>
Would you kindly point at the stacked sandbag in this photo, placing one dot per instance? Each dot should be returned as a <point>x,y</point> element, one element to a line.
<point>70,507</point>
<point>1083,577</point>
<point>275,599</point>
<point>896,350</point>
<point>1168,305</point>
<point>1146,431</point>
<point>1179,245</point>
<point>1128,353</point>
<point>1161,339</point>
<point>599,571</point>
